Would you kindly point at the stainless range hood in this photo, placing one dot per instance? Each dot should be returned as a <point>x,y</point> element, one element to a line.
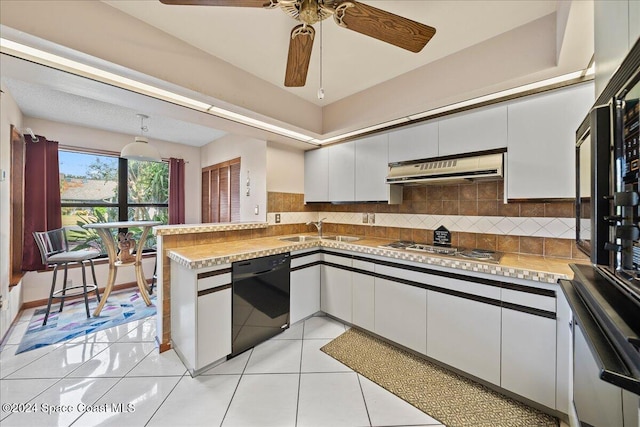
<point>447,171</point>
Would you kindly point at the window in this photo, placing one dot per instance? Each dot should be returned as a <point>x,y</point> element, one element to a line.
<point>101,188</point>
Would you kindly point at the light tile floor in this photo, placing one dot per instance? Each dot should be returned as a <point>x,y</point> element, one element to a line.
<point>117,377</point>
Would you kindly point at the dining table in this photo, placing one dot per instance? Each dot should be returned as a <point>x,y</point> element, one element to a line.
<point>105,231</point>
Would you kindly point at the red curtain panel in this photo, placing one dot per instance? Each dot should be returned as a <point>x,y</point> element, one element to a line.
<point>176,191</point>
<point>42,210</point>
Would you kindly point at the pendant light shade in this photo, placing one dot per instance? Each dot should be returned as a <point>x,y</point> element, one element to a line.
<point>140,149</point>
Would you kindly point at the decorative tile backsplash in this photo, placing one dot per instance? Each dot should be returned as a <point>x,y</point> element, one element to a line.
<point>563,228</point>
<point>474,213</point>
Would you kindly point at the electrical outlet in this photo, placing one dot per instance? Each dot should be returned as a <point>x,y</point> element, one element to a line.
<point>365,218</point>
<point>256,210</point>
<point>277,218</point>
<point>372,218</point>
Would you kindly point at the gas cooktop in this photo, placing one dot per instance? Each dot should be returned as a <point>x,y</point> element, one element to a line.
<point>484,255</point>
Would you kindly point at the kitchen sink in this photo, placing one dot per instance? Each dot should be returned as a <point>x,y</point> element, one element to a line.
<point>299,239</point>
<point>342,238</point>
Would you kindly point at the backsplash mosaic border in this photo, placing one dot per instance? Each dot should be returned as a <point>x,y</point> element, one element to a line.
<point>559,228</point>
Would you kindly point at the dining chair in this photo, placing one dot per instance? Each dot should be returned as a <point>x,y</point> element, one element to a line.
<point>54,250</point>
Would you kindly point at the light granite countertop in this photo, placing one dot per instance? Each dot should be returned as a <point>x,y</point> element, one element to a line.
<point>528,267</point>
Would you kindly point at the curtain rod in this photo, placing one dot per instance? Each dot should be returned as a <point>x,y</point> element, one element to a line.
<point>34,138</point>
<point>98,151</point>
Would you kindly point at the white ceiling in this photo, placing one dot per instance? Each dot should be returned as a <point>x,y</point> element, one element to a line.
<point>256,40</point>
<point>43,102</point>
<point>46,93</point>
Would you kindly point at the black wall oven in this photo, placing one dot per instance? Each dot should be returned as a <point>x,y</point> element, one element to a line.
<point>605,296</point>
<point>607,180</point>
<point>624,217</point>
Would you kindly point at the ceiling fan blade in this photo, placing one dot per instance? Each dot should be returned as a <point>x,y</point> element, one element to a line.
<point>382,25</point>
<point>300,47</point>
<point>236,3</point>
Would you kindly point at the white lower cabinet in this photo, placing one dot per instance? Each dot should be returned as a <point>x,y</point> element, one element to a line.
<point>597,402</point>
<point>529,356</point>
<point>401,314</point>
<point>564,354</point>
<point>335,291</point>
<point>305,293</point>
<point>363,288</point>
<point>214,327</point>
<point>464,334</point>
<point>201,315</point>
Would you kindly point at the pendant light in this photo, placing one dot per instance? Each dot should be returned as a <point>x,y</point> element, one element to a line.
<point>140,149</point>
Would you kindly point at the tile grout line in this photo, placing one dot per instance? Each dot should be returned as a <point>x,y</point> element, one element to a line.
<point>364,400</point>
<point>300,373</point>
<point>96,378</point>
<point>235,390</point>
<point>165,398</point>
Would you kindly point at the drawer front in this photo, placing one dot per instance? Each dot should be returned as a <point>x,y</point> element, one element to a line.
<point>307,259</point>
<point>540,302</point>
<point>214,281</point>
<point>446,283</point>
<point>363,265</point>
<point>339,260</point>
<point>468,287</point>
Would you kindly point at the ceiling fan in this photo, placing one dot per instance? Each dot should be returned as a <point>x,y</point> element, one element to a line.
<point>349,14</point>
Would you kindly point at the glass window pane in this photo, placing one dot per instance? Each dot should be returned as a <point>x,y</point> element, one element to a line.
<point>88,178</point>
<point>86,215</point>
<point>148,182</point>
<point>149,213</point>
<point>75,217</point>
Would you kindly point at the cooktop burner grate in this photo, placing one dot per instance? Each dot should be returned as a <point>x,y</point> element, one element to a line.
<point>400,244</point>
<point>486,255</point>
<point>441,250</point>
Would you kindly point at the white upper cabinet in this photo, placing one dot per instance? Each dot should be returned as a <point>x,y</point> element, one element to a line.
<point>342,172</point>
<point>477,130</point>
<point>413,143</point>
<point>371,168</point>
<point>316,175</point>
<point>541,150</point>
<point>616,26</point>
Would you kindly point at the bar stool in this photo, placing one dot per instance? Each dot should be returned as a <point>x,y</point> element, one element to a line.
<point>54,250</point>
<point>155,272</point>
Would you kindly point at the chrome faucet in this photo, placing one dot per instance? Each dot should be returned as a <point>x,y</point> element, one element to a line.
<point>318,226</point>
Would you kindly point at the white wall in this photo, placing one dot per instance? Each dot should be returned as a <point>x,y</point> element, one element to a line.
<point>253,160</point>
<point>285,169</point>
<point>9,115</point>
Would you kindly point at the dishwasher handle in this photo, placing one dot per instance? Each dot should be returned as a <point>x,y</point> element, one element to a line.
<point>246,269</point>
<point>259,273</point>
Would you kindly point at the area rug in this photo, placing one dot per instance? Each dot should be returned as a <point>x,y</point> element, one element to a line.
<point>450,398</point>
<point>121,307</point>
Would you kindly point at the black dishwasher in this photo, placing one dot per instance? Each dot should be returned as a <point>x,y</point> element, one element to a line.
<point>261,288</point>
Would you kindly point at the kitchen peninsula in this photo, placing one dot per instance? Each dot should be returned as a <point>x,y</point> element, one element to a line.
<point>510,310</point>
